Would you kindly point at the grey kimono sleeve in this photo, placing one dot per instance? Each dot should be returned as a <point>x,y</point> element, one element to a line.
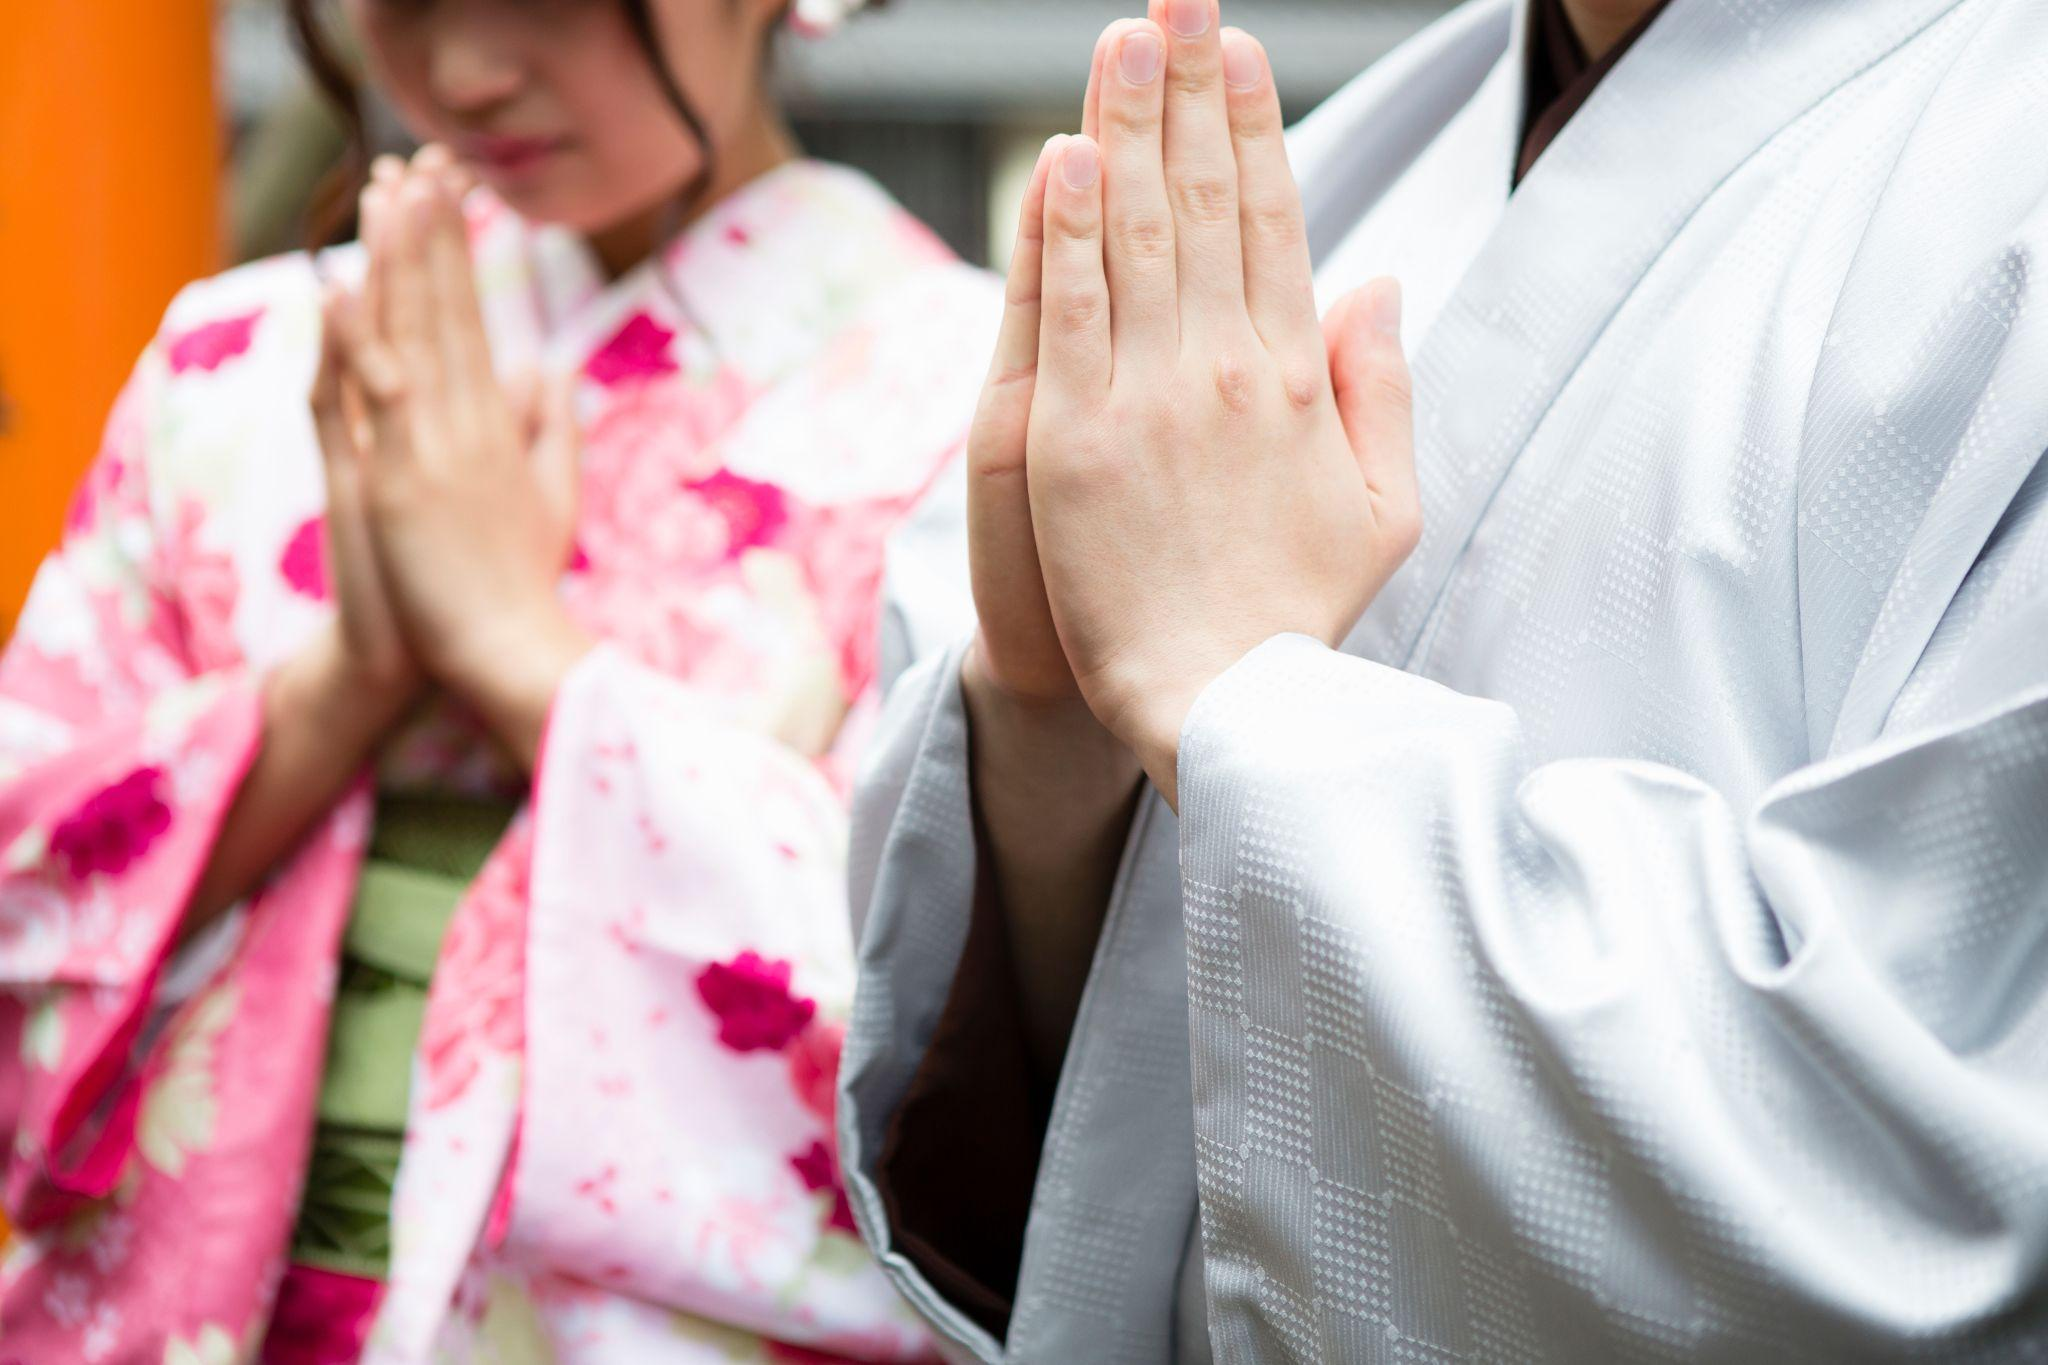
<point>1111,1211</point>
<point>1089,1199</point>
<point>1581,1063</point>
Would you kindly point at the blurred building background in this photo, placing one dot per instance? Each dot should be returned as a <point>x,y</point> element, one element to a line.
<point>948,101</point>
<point>945,101</point>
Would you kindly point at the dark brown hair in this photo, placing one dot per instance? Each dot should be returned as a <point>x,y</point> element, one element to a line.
<point>331,216</point>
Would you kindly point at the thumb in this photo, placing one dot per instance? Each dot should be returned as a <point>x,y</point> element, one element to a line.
<point>1375,398</point>
<point>1019,643</point>
<point>333,421</point>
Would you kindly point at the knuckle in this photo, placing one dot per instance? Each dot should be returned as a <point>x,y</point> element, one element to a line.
<point>1004,394</point>
<point>1206,198</point>
<point>1145,237</point>
<point>1233,379</point>
<point>1079,312</point>
<point>994,451</point>
<point>1131,115</point>
<point>1193,79</point>
<point>1274,219</point>
<point>1302,384</point>
<point>1005,375</point>
<point>1255,116</point>
<point>1072,224</point>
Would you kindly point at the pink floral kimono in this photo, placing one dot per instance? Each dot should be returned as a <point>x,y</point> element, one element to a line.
<point>620,1141</point>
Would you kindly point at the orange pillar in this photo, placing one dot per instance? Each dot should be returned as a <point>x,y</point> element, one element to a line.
<point>110,165</point>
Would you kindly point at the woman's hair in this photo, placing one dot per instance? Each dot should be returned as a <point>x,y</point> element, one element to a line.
<point>332,213</point>
<point>331,216</point>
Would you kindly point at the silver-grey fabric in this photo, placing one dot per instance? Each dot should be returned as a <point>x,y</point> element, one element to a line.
<point>1634,944</point>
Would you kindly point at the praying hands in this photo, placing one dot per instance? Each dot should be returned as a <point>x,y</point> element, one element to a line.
<point>451,498</point>
<point>1203,464</point>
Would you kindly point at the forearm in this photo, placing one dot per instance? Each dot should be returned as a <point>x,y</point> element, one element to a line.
<point>321,725</point>
<point>1054,791</point>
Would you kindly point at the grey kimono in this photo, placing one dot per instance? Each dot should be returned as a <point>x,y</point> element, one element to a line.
<point>1634,943</point>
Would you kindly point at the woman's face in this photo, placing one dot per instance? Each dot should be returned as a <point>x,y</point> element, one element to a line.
<point>554,104</point>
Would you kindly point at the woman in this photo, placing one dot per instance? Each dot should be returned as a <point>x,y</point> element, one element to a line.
<point>610,705</point>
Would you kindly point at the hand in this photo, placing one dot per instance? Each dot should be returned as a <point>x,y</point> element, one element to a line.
<point>1017,652</point>
<point>363,658</point>
<point>1052,785</point>
<point>1206,467</point>
<point>470,493</point>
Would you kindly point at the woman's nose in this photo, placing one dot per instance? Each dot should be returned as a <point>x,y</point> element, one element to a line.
<point>472,67</point>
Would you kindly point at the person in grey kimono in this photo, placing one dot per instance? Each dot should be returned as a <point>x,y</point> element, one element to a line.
<point>1610,925</point>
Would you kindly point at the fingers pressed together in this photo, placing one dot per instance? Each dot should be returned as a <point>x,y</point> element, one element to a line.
<point>1204,464</point>
<point>411,342</point>
<point>1172,222</point>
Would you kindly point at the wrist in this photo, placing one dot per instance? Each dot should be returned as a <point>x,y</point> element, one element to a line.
<point>1047,752</point>
<point>1061,727</point>
<point>1152,730</point>
<point>1149,715</point>
<point>352,706</point>
<point>508,669</point>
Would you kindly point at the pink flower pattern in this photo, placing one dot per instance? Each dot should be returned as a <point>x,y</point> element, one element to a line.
<point>753,1004</point>
<point>754,513</point>
<point>818,1167</point>
<point>814,1067</point>
<point>638,350</point>
<point>206,584</point>
<point>104,481</point>
<point>717,562</point>
<point>212,344</point>
<point>483,951</point>
<point>114,827</point>
<point>304,561</point>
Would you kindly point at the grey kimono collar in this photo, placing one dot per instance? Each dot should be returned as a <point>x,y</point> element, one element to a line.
<point>1706,87</point>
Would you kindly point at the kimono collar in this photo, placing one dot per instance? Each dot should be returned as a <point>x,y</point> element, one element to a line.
<point>762,279</point>
<point>1559,76</point>
<point>1698,94</point>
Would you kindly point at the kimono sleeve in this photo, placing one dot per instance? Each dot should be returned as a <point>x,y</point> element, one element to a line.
<point>125,729</point>
<point>690,972</point>
<point>1612,1061</point>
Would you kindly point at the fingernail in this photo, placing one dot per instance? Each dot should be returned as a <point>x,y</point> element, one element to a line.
<point>1386,309</point>
<point>1241,65</point>
<point>1188,18</point>
<point>1141,56</point>
<point>1080,164</point>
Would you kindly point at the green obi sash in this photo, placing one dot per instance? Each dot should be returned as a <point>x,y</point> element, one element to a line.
<point>424,852</point>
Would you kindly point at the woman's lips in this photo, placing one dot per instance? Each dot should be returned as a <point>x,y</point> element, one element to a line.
<point>508,155</point>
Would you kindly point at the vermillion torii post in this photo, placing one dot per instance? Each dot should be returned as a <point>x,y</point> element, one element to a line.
<point>110,178</point>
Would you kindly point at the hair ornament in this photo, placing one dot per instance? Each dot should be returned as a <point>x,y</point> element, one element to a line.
<point>816,18</point>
